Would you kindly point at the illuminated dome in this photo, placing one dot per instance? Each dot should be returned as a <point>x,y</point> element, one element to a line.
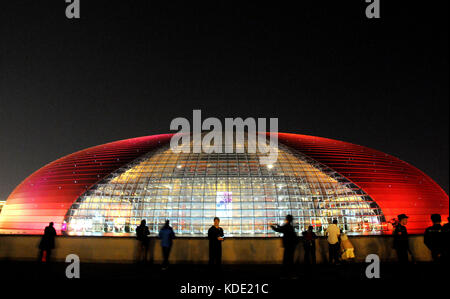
<point>108,189</point>
<point>191,189</point>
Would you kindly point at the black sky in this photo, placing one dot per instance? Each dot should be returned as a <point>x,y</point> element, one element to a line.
<point>127,68</point>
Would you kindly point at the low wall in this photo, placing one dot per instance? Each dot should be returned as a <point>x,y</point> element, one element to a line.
<point>195,250</point>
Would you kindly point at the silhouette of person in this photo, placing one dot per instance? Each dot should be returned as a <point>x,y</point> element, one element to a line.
<point>215,236</point>
<point>142,233</point>
<point>309,244</point>
<point>47,243</point>
<point>289,243</point>
<point>333,232</point>
<point>401,243</point>
<point>166,235</point>
<point>446,250</point>
<point>433,238</point>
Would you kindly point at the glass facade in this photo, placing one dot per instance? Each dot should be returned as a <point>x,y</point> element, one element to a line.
<point>190,189</point>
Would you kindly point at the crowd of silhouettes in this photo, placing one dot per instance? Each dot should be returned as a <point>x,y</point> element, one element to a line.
<point>436,238</point>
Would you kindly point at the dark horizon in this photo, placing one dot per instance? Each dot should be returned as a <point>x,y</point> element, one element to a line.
<point>126,69</point>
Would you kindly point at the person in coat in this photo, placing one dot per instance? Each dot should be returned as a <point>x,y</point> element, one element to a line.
<point>142,233</point>
<point>47,243</point>
<point>434,238</point>
<point>215,237</point>
<point>166,235</point>
<point>289,243</point>
<point>401,241</point>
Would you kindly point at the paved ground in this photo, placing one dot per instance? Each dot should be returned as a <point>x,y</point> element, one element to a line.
<point>195,272</point>
<point>108,280</point>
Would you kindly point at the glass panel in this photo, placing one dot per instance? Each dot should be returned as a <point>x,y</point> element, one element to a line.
<point>191,189</point>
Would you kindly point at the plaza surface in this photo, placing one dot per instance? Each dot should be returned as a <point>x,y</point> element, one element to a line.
<point>237,273</point>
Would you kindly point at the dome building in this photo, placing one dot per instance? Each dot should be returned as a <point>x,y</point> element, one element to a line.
<point>109,189</point>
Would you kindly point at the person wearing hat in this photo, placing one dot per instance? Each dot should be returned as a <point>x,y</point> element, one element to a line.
<point>401,243</point>
<point>433,238</point>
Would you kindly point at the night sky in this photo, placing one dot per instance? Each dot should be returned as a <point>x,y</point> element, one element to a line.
<point>127,68</point>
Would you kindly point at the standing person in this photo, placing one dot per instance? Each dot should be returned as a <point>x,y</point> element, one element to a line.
<point>446,232</point>
<point>166,235</point>
<point>401,243</point>
<point>289,243</point>
<point>333,233</point>
<point>47,243</point>
<point>433,238</point>
<point>215,236</point>
<point>142,233</point>
<point>309,244</point>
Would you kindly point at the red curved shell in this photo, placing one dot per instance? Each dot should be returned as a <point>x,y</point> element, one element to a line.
<point>396,186</point>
